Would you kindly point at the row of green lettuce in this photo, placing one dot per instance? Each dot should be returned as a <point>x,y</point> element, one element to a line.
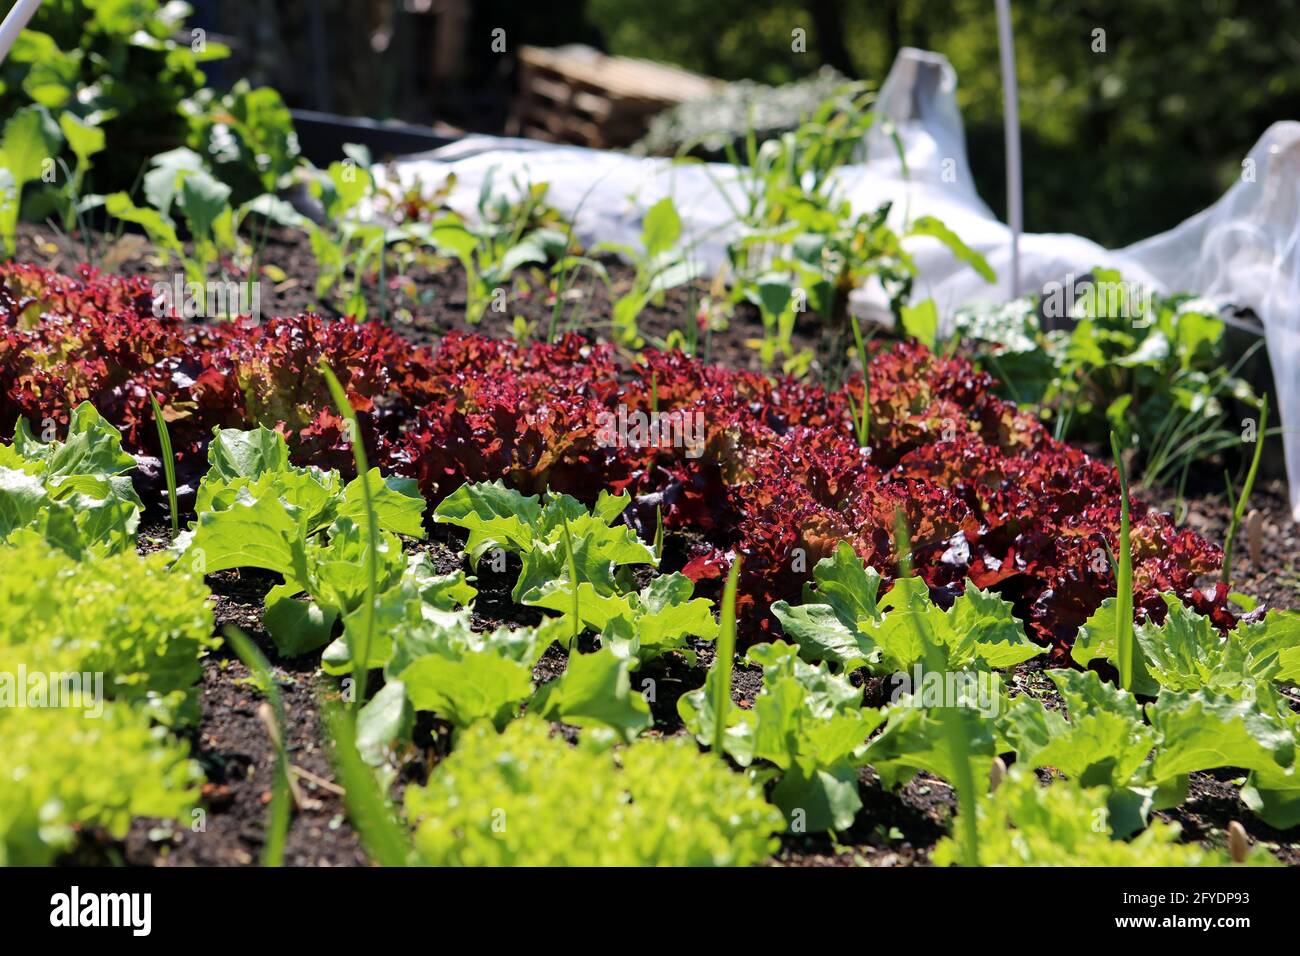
<point>804,739</point>
<point>78,605</point>
<point>78,598</point>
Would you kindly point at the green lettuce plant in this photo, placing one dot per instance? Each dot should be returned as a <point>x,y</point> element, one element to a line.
<point>807,724</point>
<point>842,621</point>
<point>123,616</point>
<point>526,798</point>
<point>496,517</point>
<point>1187,652</point>
<point>561,543</point>
<point>658,619</point>
<point>76,493</point>
<point>255,510</point>
<point>595,693</point>
<point>126,69</point>
<point>65,774</point>
<point>433,660</point>
<point>917,738</point>
<point>1024,823</point>
<point>1145,754</point>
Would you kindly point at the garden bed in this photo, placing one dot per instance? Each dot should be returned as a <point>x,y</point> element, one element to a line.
<point>895,828</point>
<point>895,825</point>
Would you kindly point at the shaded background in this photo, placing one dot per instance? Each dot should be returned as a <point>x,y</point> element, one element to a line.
<point>1118,145</point>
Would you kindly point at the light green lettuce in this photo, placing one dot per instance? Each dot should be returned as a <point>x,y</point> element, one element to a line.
<point>842,622</point>
<point>1024,823</point>
<point>524,797</point>
<point>76,492</point>
<point>807,723</point>
<point>255,510</point>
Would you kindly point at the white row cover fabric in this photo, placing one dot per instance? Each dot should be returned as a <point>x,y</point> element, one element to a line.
<point>1244,250</point>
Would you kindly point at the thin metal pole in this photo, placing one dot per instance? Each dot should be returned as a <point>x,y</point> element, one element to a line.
<point>14,24</point>
<point>1011,131</point>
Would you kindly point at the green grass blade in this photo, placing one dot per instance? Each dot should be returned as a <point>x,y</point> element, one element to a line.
<point>383,837</point>
<point>1243,499</point>
<point>573,580</point>
<point>725,650</point>
<point>168,460</point>
<point>864,426</point>
<point>359,662</point>
<point>659,533</point>
<point>853,414</point>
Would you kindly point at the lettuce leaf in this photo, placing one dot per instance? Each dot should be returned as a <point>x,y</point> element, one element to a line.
<point>255,510</point>
<point>842,622</point>
<point>807,723</point>
<point>496,517</point>
<point>65,773</point>
<point>123,616</point>
<point>524,797</point>
<point>595,691</point>
<point>75,493</point>
<point>1187,652</point>
<point>1024,823</point>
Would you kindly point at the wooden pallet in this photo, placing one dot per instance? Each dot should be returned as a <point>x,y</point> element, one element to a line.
<point>575,94</point>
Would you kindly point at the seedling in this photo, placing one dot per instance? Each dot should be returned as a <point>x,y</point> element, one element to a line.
<point>572,567</point>
<point>862,418</point>
<point>725,659</point>
<point>660,265</point>
<point>1239,502</point>
<point>659,533</point>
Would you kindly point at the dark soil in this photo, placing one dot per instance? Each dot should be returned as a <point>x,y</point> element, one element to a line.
<point>893,829</point>
<point>1212,803</point>
<point>426,298</point>
<point>1273,575</point>
<point>233,746</point>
